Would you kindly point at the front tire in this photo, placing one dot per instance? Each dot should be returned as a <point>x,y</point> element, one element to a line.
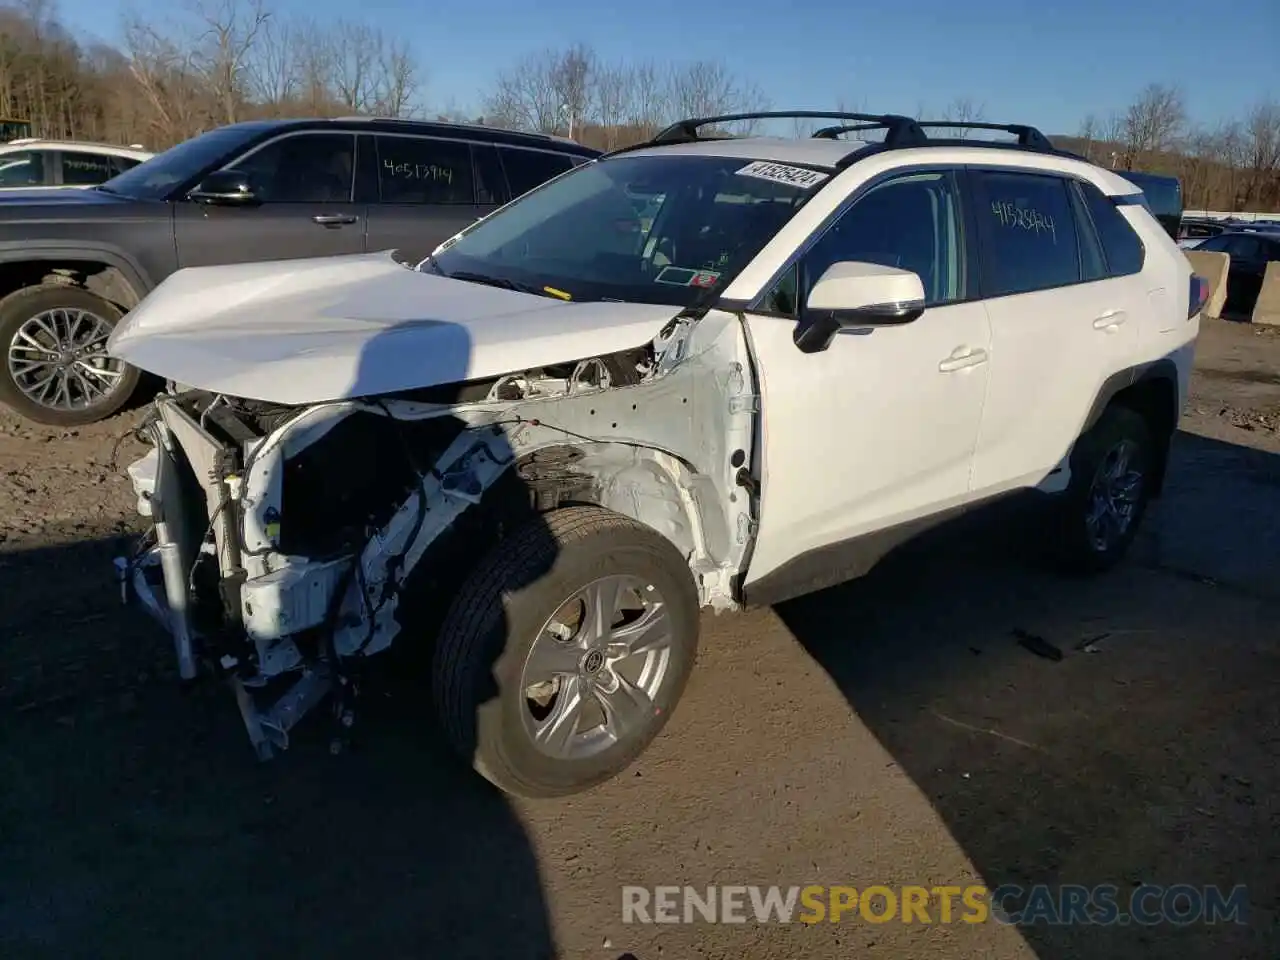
<point>1112,475</point>
<point>565,652</point>
<point>56,371</point>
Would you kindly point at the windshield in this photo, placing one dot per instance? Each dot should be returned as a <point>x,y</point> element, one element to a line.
<point>652,229</point>
<point>154,179</point>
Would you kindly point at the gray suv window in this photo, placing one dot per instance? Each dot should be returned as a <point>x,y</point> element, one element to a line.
<point>303,168</point>
<point>527,169</point>
<point>424,170</point>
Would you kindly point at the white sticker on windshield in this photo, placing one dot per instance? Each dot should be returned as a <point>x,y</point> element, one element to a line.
<point>783,173</point>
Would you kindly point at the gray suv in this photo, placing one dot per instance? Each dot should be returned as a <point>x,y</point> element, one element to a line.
<point>72,263</point>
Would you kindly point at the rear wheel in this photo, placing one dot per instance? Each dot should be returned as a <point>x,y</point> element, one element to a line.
<point>1112,473</point>
<point>56,370</point>
<point>566,651</point>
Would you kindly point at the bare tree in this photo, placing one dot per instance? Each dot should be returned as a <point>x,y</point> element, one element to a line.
<point>1153,122</point>
<point>227,32</point>
<point>397,82</point>
<point>1090,128</point>
<point>706,88</point>
<point>963,110</point>
<point>527,96</point>
<point>355,52</point>
<point>1261,143</point>
<point>274,71</point>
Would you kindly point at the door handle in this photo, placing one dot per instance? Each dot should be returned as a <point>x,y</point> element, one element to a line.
<point>333,219</point>
<point>959,360</point>
<point>1110,320</point>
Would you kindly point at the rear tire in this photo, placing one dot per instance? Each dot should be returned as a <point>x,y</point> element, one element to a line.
<point>57,330</point>
<point>491,699</point>
<point>1112,476</point>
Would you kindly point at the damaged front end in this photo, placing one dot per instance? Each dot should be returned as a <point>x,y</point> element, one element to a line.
<point>289,542</point>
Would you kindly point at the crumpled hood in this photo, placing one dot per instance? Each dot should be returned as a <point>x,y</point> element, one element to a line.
<point>309,331</point>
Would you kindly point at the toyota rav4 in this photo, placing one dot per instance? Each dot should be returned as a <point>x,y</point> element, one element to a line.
<point>702,372</point>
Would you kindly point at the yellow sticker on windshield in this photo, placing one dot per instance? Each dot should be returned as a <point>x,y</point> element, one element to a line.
<point>557,293</point>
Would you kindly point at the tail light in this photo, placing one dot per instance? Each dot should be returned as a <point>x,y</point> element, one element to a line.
<point>1199,295</point>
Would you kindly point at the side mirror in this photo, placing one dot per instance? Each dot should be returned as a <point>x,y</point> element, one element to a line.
<point>852,294</point>
<point>227,188</point>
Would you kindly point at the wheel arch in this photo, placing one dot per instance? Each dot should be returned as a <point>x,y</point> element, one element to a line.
<point>1150,390</point>
<point>102,269</point>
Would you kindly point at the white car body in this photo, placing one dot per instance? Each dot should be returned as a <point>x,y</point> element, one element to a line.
<point>16,154</point>
<point>757,460</point>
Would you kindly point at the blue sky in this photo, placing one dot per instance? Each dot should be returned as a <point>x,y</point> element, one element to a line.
<point>1045,64</point>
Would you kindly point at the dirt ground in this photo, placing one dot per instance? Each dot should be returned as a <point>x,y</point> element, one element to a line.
<point>892,731</point>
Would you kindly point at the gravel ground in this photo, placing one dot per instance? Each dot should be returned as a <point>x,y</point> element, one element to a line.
<point>891,731</point>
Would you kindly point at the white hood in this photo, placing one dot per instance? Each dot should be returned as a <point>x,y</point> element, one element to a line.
<point>307,331</point>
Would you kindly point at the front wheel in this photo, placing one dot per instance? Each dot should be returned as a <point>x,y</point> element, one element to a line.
<point>565,652</point>
<point>56,369</point>
<point>1111,481</point>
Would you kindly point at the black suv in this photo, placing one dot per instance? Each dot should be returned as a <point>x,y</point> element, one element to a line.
<point>72,262</point>
<point>1163,195</point>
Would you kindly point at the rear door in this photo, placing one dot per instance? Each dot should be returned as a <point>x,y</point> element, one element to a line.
<point>306,184</point>
<point>429,188</point>
<point>1061,322</point>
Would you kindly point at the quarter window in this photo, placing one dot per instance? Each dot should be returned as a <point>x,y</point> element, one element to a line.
<point>305,168</point>
<point>425,170</point>
<point>22,169</point>
<point>1093,263</point>
<point>527,169</point>
<point>1029,234</point>
<point>911,222</point>
<point>1123,249</point>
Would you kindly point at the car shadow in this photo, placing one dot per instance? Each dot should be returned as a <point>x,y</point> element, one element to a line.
<point>136,819</point>
<point>1078,731</point>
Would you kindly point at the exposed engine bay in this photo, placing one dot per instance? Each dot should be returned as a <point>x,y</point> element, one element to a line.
<point>288,542</point>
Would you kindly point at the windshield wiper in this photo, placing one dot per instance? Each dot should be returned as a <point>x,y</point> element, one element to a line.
<point>502,282</point>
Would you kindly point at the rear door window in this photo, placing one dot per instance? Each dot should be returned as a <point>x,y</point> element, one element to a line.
<point>527,169</point>
<point>83,169</point>
<point>425,170</point>
<point>1029,233</point>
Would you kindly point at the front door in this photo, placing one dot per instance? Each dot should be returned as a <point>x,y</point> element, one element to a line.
<point>879,429</point>
<point>306,206</point>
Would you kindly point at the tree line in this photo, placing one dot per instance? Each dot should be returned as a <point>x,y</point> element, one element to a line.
<point>221,61</point>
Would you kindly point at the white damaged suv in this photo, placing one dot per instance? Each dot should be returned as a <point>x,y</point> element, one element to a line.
<point>701,372</point>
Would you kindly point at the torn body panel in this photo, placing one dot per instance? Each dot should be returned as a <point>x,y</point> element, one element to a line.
<point>318,517</point>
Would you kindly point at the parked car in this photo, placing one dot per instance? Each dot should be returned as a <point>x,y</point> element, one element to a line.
<point>33,163</point>
<point>1250,252</point>
<point>1163,196</point>
<point>73,262</point>
<point>543,451</point>
<point>1192,230</point>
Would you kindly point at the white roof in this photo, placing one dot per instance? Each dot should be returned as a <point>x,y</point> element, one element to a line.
<point>827,153</point>
<point>111,149</point>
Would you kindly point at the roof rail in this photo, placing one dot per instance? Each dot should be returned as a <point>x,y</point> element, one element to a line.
<point>899,131</point>
<point>685,131</point>
<point>1027,136</point>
